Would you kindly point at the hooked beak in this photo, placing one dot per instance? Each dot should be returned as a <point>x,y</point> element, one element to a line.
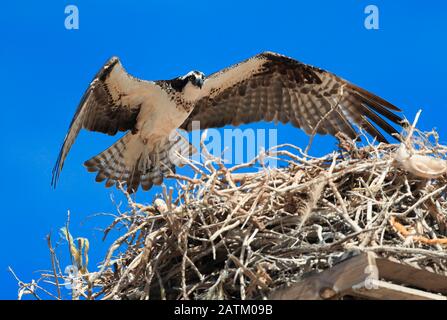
<point>199,82</point>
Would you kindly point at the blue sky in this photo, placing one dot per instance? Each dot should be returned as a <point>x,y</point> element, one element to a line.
<point>46,68</point>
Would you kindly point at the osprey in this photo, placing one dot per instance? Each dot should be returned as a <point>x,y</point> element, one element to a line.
<point>268,86</point>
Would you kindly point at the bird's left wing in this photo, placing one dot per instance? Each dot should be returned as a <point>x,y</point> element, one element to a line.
<point>273,87</point>
<point>111,103</point>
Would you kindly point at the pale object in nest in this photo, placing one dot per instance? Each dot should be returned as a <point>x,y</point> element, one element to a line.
<point>420,165</point>
<point>160,205</point>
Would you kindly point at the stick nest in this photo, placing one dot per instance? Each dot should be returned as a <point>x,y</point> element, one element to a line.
<point>232,234</point>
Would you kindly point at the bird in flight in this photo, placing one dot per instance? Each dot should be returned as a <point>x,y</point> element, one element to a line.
<point>266,87</point>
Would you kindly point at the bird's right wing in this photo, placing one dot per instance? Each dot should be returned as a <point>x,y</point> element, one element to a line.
<point>111,103</point>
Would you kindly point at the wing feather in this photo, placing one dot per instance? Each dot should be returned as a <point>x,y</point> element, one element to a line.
<point>110,104</point>
<point>273,87</point>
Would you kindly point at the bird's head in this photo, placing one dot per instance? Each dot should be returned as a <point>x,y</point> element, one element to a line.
<point>196,78</point>
<point>189,85</point>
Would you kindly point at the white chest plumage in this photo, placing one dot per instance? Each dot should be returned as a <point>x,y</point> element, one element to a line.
<point>162,114</point>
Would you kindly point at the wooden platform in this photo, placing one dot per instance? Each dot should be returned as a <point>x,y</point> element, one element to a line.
<point>366,276</point>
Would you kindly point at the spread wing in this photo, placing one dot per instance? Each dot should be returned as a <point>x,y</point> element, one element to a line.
<point>272,87</point>
<point>110,104</point>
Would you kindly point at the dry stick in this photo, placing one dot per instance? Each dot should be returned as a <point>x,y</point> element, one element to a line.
<point>333,108</point>
<point>431,232</point>
<point>53,266</point>
<point>253,277</point>
<point>116,244</point>
<point>227,220</point>
<point>315,163</point>
<point>359,168</point>
<point>436,213</point>
<point>208,233</point>
<point>182,177</point>
<point>31,287</point>
<point>183,272</point>
<point>375,185</point>
<point>24,286</point>
<point>142,256</point>
<point>68,236</point>
<point>224,229</point>
<point>405,233</point>
<point>67,226</point>
<point>198,256</point>
<point>427,253</point>
<point>420,201</point>
<point>117,220</point>
<point>344,212</point>
<point>245,246</point>
<point>162,288</point>
<point>241,274</point>
<point>253,207</point>
<point>151,270</point>
<point>368,238</point>
<point>411,131</point>
<point>194,166</point>
<point>315,194</point>
<point>128,197</point>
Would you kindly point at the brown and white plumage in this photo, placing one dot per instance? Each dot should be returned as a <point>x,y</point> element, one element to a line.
<point>272,87</point>
<point>104,107</point>
<point>266,87</point>
<point>116,101</point>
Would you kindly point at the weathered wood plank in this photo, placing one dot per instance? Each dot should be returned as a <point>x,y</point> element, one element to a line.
<point>389,291</point>
<point>329,283</point>
<point>362,276</point>
<point>407,275</point>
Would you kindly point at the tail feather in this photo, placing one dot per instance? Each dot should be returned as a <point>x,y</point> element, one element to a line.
<point>131,162</point>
